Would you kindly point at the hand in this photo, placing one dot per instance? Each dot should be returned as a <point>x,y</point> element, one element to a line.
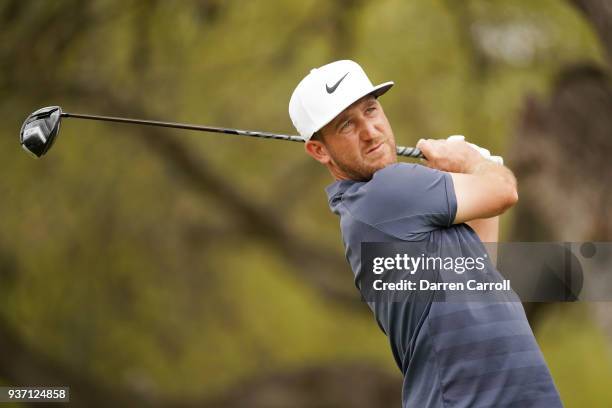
<point>455,155</point>
<point>483,152</point>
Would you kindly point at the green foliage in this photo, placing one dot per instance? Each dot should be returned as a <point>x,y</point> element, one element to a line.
<point>576,352</point>
<point>128,271</point>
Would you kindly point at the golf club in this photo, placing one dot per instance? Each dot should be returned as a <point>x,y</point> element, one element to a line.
<point>41,128</point>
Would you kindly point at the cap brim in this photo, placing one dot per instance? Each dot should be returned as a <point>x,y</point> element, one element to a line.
<point>382,88</point>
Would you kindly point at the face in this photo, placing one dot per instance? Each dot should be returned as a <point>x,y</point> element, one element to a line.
<point>357,143</point>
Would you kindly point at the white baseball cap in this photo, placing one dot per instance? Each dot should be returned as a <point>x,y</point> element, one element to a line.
<point>326,91</point>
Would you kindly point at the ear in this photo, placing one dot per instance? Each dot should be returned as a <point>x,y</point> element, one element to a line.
<point>317,151</point>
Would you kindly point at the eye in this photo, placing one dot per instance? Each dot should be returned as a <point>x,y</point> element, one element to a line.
<point>345,125</point>
<point>371,109</point>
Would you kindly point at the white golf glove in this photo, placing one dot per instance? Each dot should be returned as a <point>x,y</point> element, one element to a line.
<point>483,152</point>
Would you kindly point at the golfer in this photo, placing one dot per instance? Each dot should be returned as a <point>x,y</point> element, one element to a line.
<point>451,354</point>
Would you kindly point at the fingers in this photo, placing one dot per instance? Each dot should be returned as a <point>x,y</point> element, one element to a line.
<point>421,143</point>
<point>483,152</point>
<point>423,146</point>
<point>435,150</point>
<point>428,144</point>
<point>429,148</point>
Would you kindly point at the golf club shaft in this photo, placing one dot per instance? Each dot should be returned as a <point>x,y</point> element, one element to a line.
<point>401,150</point>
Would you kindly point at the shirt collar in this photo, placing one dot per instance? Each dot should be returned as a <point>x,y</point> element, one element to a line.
<point>337,188</point>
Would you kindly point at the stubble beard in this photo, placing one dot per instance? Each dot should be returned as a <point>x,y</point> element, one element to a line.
<point>359,170</point>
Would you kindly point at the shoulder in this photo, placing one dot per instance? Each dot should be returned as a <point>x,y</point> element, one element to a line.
<point>404,172</point>
<point>400,178</point>
<point>420,196</point>
<point>392,184</point>
<point>396,169</point>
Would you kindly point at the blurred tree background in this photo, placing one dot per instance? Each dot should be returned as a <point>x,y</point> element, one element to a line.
<point>149,267</point>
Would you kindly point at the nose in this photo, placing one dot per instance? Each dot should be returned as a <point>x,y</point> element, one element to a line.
<point>368,130</point>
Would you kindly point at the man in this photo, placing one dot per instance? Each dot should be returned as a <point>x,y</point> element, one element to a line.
<point>452,354</point>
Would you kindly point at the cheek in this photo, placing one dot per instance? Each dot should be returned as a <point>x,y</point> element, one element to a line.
<point>384,123</point>
<point>387,127</point>
<point>346,147</point>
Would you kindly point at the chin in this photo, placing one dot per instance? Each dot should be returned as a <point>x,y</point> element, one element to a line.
<point>384,161</point>
<point>363,170</point>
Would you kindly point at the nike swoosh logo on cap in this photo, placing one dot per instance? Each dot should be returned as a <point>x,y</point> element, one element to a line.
<point>331,89</point>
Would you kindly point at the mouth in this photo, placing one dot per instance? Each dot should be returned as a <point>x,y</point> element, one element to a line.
<point>375,148</point>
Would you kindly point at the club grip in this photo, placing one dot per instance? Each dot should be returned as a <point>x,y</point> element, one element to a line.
<point>409,152</point>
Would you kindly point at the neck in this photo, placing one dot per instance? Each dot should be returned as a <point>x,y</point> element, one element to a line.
<point>337,173</point>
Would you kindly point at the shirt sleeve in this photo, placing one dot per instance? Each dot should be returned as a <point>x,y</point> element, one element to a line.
<point>405,200</point>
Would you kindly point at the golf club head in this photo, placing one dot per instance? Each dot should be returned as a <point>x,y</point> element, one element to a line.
<point>40,129</point>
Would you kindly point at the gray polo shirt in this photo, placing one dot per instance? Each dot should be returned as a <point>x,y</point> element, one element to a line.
<point>452,354</point>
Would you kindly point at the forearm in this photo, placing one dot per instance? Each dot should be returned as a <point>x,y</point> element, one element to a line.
<point>496,173</point>
<point>483,189</point>
<point>488,232</point>
<point>486,228</point>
